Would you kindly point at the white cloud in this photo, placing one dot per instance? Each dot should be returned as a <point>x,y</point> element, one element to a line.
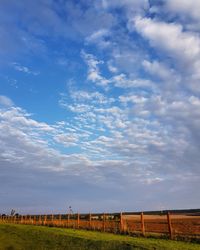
<point>5,101</point>
<point>24,69</point>
<point>66,139</point>
<point>100,38</point>
<point>188,8</point>
<point>124,82</point>
<point>17,116</point>
<point>112,68</point>
<point>93,97</point>
<point>118,80</point>
<point>93,70</point>
<point>161,70</point>
<point>182,46</point>
<point>28,143</point>
<point>146,124</point>
<point>132,98</point>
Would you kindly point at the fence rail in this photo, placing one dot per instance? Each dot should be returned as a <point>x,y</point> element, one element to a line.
<point>171,225</point>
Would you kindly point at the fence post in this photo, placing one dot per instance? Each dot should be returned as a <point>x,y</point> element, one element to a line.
<point>121,222</point>
<point>104,222</point>
<point>45,219</point>
<point>60,219</point>
<point>52,218</point>
<point>34,220</point>
<point>142,224</point>
<point>68,220</point>
<point>90,221</point>
<point>169,225</point>
<point>78,220</point>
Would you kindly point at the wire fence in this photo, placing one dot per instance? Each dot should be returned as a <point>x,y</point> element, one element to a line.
<point>173,226</point>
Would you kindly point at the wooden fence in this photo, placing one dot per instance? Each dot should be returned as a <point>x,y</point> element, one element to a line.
<point>170,225</point>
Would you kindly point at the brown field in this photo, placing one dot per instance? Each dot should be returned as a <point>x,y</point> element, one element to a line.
<point>184,225</point>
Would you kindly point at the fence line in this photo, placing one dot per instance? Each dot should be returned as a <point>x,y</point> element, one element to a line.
<point>140,223</point>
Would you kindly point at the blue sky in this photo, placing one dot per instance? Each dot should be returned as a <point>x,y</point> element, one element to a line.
<point>99,105</point>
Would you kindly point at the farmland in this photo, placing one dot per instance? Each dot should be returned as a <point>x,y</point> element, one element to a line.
<point>20,237</point>
<point>182,225</point>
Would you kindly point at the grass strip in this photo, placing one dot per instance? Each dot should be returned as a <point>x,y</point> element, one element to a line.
<point>25,237</point>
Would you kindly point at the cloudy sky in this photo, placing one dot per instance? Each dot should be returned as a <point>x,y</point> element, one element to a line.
<point>99,105</point>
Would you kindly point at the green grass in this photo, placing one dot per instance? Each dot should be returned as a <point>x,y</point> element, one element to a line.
<point>27,237</point>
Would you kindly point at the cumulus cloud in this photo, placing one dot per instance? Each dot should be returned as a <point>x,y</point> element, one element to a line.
<point>171,38</point>
<point>183,47</point>
<point>160,70</point>
<point>120,80</point>
<point>184,7</point>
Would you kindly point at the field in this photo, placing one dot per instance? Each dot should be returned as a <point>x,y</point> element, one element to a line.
<point>28,237</point>
<point>182,225</point>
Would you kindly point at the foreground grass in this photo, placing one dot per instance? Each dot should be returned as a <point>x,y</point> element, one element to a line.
<point>25,237</point>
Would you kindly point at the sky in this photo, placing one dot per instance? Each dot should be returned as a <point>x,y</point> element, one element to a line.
<point>99,105</point>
